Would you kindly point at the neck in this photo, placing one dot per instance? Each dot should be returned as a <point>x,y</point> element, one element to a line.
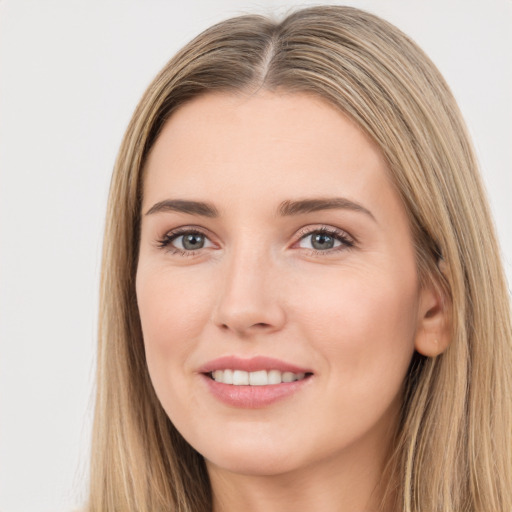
<point>357,485</point>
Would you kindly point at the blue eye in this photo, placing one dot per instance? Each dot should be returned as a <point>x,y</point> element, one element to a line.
<point>185,242</point>
<point>325,239</point>
<point>191,241</point>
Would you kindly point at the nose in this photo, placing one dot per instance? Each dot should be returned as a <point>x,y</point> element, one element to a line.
<point>250,295</point>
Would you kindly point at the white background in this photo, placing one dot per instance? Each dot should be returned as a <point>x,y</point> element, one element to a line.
<point>71,73</point>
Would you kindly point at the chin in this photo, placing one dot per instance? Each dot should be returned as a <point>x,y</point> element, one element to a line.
<point>255,455</point>
<point>261,463</point>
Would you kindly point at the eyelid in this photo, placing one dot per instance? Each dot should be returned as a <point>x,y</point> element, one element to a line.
<point>346,238</point>
<point>165,241</point>
<point>182,230</point>
<point>314,228</point>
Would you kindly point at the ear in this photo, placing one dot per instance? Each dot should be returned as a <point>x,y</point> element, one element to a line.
<point>433,333</point>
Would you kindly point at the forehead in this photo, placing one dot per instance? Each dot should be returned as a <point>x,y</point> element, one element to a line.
<point>260,148</point>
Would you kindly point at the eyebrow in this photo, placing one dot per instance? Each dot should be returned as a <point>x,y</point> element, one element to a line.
<point>286,208</point>
<point>184,206</point>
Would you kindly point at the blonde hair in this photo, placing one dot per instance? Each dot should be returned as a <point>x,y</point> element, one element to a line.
<point>453,448</point>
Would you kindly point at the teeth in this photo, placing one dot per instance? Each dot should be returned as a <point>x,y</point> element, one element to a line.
<point>287,377</point>
<point>274,377</point>
<point>240,378</point>
<point>227,376</point>
<point>259,378</point>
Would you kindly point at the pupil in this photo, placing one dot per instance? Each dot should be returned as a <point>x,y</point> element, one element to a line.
<point>321,241</point>
<point>193,241</point>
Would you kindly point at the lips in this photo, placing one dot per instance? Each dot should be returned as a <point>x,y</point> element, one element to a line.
<point>255,382</point>
<point>252,364</point>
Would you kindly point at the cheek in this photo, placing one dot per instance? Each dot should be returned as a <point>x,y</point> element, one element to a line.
<point>363,324</point>
<point>173,311</point>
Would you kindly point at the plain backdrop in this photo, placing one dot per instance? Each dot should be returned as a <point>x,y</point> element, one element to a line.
<point>71,73</point>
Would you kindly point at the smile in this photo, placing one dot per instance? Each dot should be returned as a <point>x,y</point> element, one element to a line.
<point>255,382</point>
<point>257,378</point>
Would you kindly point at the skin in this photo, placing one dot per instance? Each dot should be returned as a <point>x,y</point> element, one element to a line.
<point>352,314</point>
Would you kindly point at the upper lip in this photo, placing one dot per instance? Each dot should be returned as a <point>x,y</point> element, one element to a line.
<point>251,364</point>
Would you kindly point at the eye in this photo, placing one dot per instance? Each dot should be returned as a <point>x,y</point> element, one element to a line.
<point>325,239</point>
<point>186,242</point>
<point>190,242</point>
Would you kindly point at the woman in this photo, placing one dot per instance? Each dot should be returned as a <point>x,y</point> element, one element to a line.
<point>303,305</point>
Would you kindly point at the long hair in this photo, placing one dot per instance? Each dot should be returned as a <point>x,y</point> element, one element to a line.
<point>453,448</point>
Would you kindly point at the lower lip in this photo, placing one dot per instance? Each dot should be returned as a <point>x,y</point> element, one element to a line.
<point>253,397</point>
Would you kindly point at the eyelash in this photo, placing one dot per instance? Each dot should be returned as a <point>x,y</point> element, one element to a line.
<point>346,241</point>
<point>166,241</point>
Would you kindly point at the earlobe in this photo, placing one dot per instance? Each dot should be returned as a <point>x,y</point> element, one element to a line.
<point>433,333</point>
<point>430,346</point>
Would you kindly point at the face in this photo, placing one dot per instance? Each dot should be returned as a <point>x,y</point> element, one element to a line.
<point>276,283</point>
